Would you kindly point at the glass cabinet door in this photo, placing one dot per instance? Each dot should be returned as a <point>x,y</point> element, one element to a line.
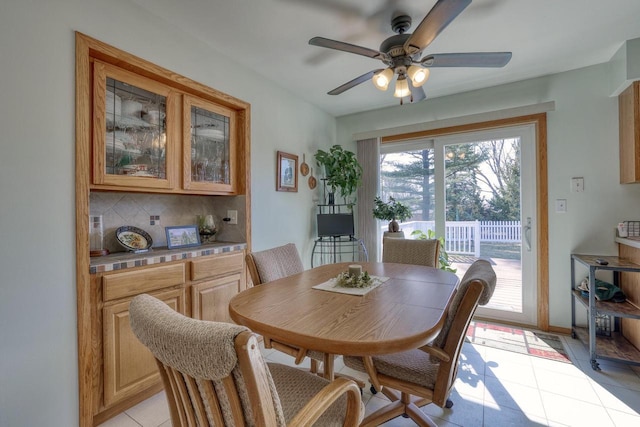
<point>132,134</point>
<point>209,148</point>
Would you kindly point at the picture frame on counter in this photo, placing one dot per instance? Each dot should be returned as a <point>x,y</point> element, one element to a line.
<point>182,236</point>
<point>287,178</point>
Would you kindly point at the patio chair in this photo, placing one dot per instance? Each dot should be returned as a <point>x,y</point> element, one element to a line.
<point>426,375</point>
<point>214,375</point>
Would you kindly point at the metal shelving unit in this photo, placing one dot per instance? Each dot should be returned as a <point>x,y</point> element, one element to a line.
<point>614,346</point>
<point>341,247</point>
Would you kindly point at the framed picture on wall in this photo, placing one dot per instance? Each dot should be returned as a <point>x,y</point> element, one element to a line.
<point>182,236</point>
<point>287,178</point>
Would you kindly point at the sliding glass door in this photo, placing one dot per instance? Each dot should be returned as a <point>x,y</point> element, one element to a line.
<point>476,191</point>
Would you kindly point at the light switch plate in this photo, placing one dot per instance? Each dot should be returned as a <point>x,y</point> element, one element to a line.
<point>561,205</point>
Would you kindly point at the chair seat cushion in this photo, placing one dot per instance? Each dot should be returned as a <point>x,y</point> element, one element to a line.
<point>412,366</point>
<point>296,387</point>
<point>316,355</point>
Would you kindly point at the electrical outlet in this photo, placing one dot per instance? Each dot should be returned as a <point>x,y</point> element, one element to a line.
<point>233,217</point>
<point>577,185</point>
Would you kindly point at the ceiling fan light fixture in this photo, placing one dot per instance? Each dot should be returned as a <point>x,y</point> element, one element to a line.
<point>402,87</point>
<point>418,75</point>
<point>382,79</point>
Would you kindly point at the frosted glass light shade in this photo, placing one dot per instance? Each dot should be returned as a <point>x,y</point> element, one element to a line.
<point>402,88</point>
<point>418,75</point>
<point>382,79</point>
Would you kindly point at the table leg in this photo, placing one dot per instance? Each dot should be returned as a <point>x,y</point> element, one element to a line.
<point>328,366</point>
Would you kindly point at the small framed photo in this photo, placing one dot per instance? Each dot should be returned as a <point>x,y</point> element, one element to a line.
<point>287,178</point>
<point>182,236</point>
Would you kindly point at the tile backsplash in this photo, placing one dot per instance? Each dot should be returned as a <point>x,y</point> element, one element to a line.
<point>153,212</point>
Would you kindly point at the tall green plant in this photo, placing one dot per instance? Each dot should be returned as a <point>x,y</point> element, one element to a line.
<point>342,170</point>
<point>443,260</point>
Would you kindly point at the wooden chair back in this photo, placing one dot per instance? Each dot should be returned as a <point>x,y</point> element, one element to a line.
<point>408,251</point>
<point>214,375</point>
<point>201,363</point>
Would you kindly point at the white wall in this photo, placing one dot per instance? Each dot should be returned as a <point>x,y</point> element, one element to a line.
<point>38,351</point>
<point>582,142</point>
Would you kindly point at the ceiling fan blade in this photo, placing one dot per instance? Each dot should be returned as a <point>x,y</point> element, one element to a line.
<point>436,20</point>
<point>476,59</point>
<point>355,82</point>
<point>417,94</point>
<point>346,47</point>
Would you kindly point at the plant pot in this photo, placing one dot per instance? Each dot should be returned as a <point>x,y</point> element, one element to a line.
<point>394,226</point>
<point>393,234</point>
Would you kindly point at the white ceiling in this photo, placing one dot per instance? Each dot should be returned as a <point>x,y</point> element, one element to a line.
<point>271,37</point>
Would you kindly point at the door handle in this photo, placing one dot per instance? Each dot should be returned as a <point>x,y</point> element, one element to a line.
<point>527,233</point>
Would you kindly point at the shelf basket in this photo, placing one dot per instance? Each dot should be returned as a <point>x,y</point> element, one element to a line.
<point>633,228</point>
<point>603,325</point>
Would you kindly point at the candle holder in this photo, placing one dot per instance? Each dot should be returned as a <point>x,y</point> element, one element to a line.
<point>206,228</point>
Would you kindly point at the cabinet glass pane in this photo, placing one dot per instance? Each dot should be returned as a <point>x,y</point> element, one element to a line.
<point>209,146</point>
<point>136,131</point>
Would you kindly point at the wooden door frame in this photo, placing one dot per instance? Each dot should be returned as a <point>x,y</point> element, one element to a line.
<point>539,121</point>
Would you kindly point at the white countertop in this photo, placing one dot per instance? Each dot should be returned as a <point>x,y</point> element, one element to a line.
<point>629,242</point>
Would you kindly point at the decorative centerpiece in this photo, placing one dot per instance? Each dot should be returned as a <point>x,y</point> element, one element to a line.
<point>354,278</point>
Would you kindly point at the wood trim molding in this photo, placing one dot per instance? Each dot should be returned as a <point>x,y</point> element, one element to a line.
<point>539,120</point>
<point>83,168</point>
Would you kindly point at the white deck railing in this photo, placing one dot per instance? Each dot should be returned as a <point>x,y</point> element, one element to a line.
<point>464,237</point>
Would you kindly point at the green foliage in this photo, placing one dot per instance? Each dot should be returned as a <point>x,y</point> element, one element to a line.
<point>411,182</point>
<point>341,168</point>
<point>443,260</point>
<point>391,210</point>
<point>482,181</point>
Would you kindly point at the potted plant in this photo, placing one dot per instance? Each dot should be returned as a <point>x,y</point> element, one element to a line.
<point>443,260</point>
<point>392,211</point>
<point>342,171</point>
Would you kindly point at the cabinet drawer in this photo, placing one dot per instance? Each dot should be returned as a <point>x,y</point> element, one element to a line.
<point>129,283</point>
<point>216,265</point>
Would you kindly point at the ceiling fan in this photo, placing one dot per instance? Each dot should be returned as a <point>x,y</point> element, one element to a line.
<point>401,53</point>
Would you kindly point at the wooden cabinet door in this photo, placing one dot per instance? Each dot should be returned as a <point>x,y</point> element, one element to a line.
<point>629,117</point>
<point>209,147</point>
<point>129,367</point>
<point>210,299</point>
<point>136,130</point>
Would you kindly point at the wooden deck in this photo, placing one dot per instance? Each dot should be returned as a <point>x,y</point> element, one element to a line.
<point>508,293</point>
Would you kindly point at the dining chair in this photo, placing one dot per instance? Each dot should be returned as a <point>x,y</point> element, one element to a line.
<point>409,251</point>
<point>273,264</point>
<point>214,375</point>
<point>414,378</point>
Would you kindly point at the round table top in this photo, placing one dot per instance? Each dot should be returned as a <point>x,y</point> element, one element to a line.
<point>405,312</point>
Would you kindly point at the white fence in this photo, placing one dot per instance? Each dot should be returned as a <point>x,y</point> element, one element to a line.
<point>464,237</point>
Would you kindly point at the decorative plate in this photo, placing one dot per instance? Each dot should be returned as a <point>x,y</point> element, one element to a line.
<point>133,238</point>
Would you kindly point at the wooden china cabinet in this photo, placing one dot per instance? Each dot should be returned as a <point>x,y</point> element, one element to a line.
<point>143,129</point>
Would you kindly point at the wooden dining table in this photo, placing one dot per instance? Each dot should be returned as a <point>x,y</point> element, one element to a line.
<point>406,312</point>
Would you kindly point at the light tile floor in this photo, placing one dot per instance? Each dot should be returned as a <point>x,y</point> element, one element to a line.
<point>495,388</point>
